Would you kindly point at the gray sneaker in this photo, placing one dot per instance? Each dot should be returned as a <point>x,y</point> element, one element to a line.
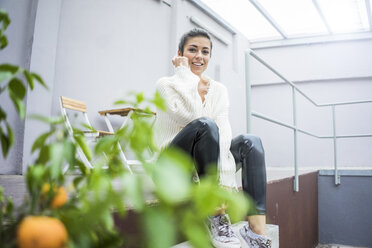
<point>254,240</point>
<point>221,232</point>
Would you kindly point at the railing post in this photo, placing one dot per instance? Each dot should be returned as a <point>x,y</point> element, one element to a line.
<point>248,91</point>
<point>295,132</point>
<point>337,177</point>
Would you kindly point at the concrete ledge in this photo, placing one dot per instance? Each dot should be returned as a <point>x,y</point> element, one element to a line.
<point>348,172</point>
<point>272,231</point>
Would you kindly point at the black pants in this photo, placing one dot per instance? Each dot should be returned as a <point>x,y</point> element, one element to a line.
<point>200,139</point>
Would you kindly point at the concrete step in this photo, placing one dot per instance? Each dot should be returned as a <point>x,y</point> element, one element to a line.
<point>272,231</point>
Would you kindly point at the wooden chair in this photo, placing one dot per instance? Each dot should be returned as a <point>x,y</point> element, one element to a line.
<point>90,133</point>
<point>126,113</point>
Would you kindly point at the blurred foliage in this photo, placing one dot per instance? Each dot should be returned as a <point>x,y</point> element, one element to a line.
<point>181,206</point>
<point>15,80</point>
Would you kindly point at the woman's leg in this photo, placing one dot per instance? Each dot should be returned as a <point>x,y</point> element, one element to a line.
<point>199,139</point>
<point>249,154</point>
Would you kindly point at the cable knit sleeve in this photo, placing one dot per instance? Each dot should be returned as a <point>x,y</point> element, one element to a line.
<point>180,93</point>
<point>222,119</point>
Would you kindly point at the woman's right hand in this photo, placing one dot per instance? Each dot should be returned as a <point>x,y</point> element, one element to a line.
<point>180,61</point>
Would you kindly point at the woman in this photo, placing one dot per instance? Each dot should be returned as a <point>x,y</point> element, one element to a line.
<point>196,121</point>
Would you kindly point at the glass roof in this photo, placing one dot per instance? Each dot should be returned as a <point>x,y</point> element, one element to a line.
<point>261,20</point>
<point>349,15</point>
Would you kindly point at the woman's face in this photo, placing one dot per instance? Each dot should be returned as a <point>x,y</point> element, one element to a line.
<point>197,50</point>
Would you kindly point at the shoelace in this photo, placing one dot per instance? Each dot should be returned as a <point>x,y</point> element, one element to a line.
<point>224,226</point>
<point>266,244</point>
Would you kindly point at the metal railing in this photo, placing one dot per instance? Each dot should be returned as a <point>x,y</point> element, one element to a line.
<point>294,127</point>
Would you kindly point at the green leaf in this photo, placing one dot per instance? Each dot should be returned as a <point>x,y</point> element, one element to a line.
<point>119,102</point>
<point>29,78</point>
<point>10,135</point>
<point>35,177</point>
<point>140,97</point>
<point>69,152</point>
<point>205,198</point>
<point>193,227</point>
<point>171,177</point>
<point>48,120</point>
<point>159,101</point>
<point>56,154</point>
<point>132,186</point>
<point>39,79</point>
<point>107,219</point>
<point>84,170</point>
<point>17,87</point>
<point>1,195</point>
<point>238,205</point>
<point>9,206</point>
<point>160,228</point>
<point>18,104</point>
<point>3,42</point>
<point>43,155</point>
<point>2,114</point>
<point>4,143</point>
<point>4,18</point>
<point>105,144</point>
<point>9,68</point>
<point>4,75</point>
<point>40,141</point>
<point>77,181</point>
<point>84,146</point>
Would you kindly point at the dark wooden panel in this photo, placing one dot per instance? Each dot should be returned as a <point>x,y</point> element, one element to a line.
<point>296,213</point>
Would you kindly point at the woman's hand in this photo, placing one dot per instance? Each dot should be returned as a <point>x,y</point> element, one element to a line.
<point>180,60</point>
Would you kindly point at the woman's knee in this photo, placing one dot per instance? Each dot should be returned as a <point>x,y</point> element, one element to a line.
<point>206,124</point>
<point>251,143</point>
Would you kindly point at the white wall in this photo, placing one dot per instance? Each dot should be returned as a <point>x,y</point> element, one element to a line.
<point>98,51</point>
<point>18,52</point>
<point>329,72</point>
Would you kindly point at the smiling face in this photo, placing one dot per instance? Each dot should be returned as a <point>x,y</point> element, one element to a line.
<point>197,50</point>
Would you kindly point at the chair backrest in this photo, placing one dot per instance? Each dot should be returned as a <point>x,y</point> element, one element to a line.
<point>75,105</point>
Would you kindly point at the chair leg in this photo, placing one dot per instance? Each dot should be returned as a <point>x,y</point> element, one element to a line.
<point>65,168</point>
<point>125,160</point>
<point>84,158</point>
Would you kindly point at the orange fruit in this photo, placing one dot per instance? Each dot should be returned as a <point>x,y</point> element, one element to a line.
<point>60,197</point>
<point>41,232</point>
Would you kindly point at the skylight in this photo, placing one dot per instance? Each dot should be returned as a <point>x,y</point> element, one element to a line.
<point>244,17</point>
<point>345,15</point>
<point>294,18</point>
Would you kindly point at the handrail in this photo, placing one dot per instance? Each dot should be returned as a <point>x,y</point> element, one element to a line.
<point>253,54</point>
<point>264,117</point>
<point>294,126</point>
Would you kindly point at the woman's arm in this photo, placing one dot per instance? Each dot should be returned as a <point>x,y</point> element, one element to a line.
<point>180,93</point>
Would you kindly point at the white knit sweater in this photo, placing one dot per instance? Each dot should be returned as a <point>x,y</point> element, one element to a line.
<point>184,105</point>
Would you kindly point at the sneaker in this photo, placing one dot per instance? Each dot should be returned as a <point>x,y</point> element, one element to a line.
<point>254,240</point>
<point>221,232</point>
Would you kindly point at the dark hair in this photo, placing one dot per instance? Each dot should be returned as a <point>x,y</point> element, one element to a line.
<point>195,32</point>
